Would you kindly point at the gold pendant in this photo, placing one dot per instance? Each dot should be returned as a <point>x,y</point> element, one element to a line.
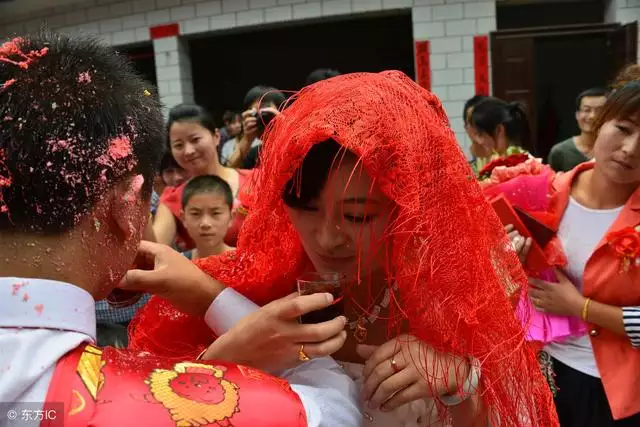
<point>360,333</point>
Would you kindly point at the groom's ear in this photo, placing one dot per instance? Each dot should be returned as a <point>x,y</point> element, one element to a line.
<point>127,207</point>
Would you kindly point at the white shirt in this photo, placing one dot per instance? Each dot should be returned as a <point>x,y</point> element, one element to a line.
<point>580,231</point>
<point>42,320</point>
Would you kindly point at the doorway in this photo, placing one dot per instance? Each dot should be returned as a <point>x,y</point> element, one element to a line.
<point>546,68</point>
<point>226,66</point>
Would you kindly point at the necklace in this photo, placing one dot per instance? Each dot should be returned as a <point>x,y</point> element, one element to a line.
<point>360,327</point>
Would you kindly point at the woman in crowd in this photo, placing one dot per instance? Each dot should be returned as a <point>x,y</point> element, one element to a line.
<point>193,139</point>
<point>362,176</point>
<point>595,212</point>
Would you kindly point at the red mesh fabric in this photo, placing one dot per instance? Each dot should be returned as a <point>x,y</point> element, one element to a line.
<point>448,253</point>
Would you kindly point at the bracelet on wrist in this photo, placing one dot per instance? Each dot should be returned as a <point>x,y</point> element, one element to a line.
<point>469,387</point>
<point>585,309</point>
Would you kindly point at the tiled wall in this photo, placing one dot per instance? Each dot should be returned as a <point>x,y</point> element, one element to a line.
<point>449,25</point>
<point>624,11</point>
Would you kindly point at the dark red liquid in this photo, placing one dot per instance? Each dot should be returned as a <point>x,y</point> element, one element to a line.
<point>334,310</point>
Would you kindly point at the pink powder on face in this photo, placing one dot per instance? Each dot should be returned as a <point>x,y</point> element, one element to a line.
<point>84,77</point>
<point>38,308</point>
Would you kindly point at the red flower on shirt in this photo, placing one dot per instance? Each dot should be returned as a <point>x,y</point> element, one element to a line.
<point>626,244</point>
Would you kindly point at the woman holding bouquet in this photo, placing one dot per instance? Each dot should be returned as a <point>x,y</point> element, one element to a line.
<point>362,176</point>
<point>595,213</point>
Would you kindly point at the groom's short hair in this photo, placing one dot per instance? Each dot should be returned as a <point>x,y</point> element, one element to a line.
<point>75,120</point>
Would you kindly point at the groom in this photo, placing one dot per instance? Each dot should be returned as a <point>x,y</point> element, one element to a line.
<point>80,139</point>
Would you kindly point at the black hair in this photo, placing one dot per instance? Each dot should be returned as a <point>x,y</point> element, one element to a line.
<point>321,74</point>
<point>472,102</point>
<point>76,120</point>
<point>593,92</point>
<point>309,179</point>
<point>492,112</point>
<point>229,117</point>
<point>264,94</point>
<point>191,113</point>
<point>207,184</point>
<point>168,162</point>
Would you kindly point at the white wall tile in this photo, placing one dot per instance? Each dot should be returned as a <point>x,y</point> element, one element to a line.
<point>98,13</point>
<point>134,21</point>
<point>460,60</point>
<point>462,27</point>
<point>105,38</point>
<point>450,11</point>
<point>15,28</point>
<point>229,6</point>
<point>421,14</point>
<point>467,44</point>
<point>446,45</point>
<point>335,7</point>
<point>75,18</point>
<point>123,37</point>
<point>142,34</point>
<point>396,4</point>
<point>143,6</point>
<point>284,2</point>
<point>486,25</point>
<point>480,10</point>
<point>427,30</point>
<point>441,92</point>
<point>163,4</point>
<point>470,76</point>
<point>158,17</point>
<point>165,44</point>
<point>33,25</point>
<point>160,59</point>
<point>89,28</point>
<point>461,92</point>
<point>256,4</point>
<point>438,61</point>
<point>453,109</point>
<point>55,21</point>
<point>196,25</point>
<point>427,2</point>
<point>457,123</point>
<point>183,12</point>
<point>120,9</point>
<point>306,11</point>
<point>168,73</point>
<point>448,77</point>
<point>278,14</point>
<point>222,22</point>
<point>366,5</point>
<point>163,87</point>
<point>110,25</point>
<point>250,17</point>
<point>209,8</point>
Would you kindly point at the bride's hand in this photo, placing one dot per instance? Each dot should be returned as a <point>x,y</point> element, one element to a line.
<point>405,369</point>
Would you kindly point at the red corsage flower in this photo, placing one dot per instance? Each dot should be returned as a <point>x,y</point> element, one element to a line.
<point>626,244</point>
<point>507,161</point>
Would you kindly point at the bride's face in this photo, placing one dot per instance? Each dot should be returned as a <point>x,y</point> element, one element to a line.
<point>343,229</point>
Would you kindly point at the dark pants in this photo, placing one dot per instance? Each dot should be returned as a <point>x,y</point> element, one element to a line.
<point>112,335</point>
<point>581,401</point>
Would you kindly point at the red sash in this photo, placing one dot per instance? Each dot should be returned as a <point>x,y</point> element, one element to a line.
<point>109,387</point>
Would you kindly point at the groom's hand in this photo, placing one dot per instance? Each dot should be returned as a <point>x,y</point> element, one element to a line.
<point>164,272</point>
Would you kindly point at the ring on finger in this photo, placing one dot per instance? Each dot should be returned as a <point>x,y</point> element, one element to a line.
<point>394,365</point>
<point>302,356</point>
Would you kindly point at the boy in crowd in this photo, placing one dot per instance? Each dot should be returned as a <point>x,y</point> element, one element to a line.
<point>207,205</point>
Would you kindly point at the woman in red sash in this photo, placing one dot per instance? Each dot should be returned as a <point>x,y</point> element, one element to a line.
<point>361,175</point>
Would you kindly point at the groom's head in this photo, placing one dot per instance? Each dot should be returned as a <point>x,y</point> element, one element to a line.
<point>80,139</point>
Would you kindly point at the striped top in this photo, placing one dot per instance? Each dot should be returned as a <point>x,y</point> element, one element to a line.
<point>631,320</point>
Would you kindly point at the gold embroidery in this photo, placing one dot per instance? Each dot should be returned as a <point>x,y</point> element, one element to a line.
<point>90,370</point>
<point>77,403</point>
<point>180,389</point>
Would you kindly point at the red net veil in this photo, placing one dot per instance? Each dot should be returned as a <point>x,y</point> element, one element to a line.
<point>448,249</point>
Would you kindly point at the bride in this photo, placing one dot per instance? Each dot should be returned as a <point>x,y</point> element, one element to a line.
<point>362,176</point>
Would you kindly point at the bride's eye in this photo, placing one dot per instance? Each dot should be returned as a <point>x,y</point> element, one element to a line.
<point>358,219</point>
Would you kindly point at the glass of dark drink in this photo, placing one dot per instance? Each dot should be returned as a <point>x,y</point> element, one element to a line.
<point>313,283</point>
<point>119,298</point>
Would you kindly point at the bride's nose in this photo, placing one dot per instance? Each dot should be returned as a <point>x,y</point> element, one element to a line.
<point>330,235</point>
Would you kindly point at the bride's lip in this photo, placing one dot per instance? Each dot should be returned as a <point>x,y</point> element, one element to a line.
<point>335,260</point>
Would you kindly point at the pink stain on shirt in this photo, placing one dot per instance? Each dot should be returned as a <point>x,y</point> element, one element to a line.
<point>25,297</point>
<point>38,308</point>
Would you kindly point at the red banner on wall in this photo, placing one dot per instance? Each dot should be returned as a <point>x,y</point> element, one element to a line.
<point>162,31</point>
<point>423,64</point>
<point>481,64</point>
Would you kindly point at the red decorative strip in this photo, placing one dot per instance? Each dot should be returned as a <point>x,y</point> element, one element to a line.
<point>162,31</point>
<point>423,64</point>
<point>481,64</point>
